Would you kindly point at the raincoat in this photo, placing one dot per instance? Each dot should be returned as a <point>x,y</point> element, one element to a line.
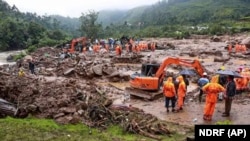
<point>181,91</point>
<point>211,89</point>
<point>168,88</point>
<point>118,50</point>
<point>21,73</point>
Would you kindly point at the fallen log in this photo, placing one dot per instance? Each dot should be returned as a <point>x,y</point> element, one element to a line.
<point>7,108</point>
<point>4,73</point>
<point>68,71</point>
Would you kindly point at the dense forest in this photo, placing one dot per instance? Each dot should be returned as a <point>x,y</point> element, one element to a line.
<point>166,18</point>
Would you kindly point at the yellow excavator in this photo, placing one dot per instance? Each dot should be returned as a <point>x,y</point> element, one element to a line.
<point>147,84</point>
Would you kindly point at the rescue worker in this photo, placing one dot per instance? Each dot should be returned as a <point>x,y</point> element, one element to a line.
<point>230,93</point>
<point>21,72</point>
<point>187,83</point>
<point>170,93</point>
<point>239,82</point>
<point>237,47</point>
<point>202,82</point>
<point>181,92</point>
<point>32,66</point>
<point>222,81</point>
<point>244,48</point>
<point>211,89</point>
<point>153,45</point>
<point>118,50</point>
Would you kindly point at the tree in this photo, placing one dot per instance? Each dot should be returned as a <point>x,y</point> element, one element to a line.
<point>89,26</point>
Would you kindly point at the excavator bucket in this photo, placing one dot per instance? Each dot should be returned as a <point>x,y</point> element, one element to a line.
<point>148,95</point>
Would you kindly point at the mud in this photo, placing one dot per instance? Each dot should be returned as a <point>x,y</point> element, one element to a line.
<point>66,89</point>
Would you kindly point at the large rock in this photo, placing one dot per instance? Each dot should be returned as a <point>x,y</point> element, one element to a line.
<point>221,59</point>
<point>246,41</point>
<point>215,39</point>
<point>97,69</point>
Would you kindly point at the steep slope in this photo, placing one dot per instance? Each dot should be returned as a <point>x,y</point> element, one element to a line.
<point>181,12</point>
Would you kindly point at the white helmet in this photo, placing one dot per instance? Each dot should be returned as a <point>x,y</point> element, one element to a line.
<point>204,74</point>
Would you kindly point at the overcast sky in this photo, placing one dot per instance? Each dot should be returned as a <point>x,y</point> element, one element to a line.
<point>74,8</point>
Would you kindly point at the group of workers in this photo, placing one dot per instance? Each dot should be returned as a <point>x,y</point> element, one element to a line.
<point>130,47</point>
<point>218,87</point>
<point>238,48</point>
<point>175,90</point>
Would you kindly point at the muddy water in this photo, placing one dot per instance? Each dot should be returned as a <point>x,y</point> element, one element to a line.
<point>4,55</point>
<point>193,111</point>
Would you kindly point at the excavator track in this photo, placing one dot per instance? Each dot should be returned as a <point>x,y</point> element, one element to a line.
<point>143,94</point>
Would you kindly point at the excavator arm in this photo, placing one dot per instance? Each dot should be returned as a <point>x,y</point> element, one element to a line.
<point>153,82</point>
<point>147,83</point>
<point>77,40</point>
<point>183,62</point>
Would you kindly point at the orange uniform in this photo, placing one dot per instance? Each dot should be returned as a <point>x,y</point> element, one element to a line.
<point>244,48</point>
<point>118,50</point>
<point>237,48</point>
<point>168,88</point>
<point>211,89</point>
<point>181,92</point>
<point>169,92</point>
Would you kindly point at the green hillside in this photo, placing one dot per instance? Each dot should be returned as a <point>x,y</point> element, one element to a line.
<point>166,18</point>
<point>197,11</point>
<point>187,12</point>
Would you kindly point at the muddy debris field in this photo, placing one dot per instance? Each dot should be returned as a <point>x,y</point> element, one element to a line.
<point>86,92</point>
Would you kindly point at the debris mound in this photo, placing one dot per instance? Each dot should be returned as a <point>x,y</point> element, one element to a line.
<point>74,101</point>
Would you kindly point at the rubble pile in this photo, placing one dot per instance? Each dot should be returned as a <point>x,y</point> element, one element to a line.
<point>128,58</point>
<point>74,101</point>
<point>49,63</point>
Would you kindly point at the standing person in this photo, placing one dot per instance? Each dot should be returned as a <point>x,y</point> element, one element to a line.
<point>21,72</point>
<point>187,83</point>
<point>211,89</point>
<point>32,66</point>
<point>170,93</point>
<point>181,92</point>
<point>222,81</point>
<point>230,93</point>
<point>202,82</point>
<point>118,50</point>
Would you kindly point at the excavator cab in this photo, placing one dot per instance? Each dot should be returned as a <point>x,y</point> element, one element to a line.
<point>146,70</point>
<point>149,69</point>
